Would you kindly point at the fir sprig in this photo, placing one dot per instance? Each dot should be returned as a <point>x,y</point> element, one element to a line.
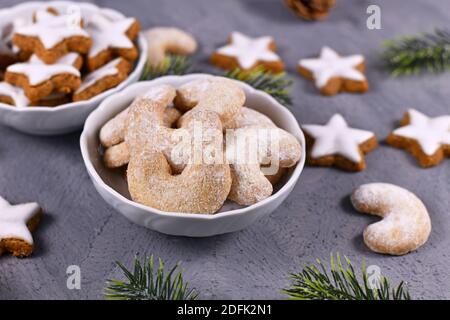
<point>148,282</point>
<point>172,65</point>
<point>275,84</point>
<point>414,54</point>
<point>314,282</point>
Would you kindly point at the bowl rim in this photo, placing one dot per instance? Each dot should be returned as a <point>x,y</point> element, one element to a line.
<point>89,126</point>
<point>137,71</point>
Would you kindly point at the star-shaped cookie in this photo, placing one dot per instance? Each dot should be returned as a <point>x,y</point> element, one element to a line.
<point>16,224</point>
<point>248,53</point>
<point>51,36</point>
<point>111,39</point>
<point>337,144</point>
<point>427,139</point>
<point>13,95</point>
<point>333,73</point>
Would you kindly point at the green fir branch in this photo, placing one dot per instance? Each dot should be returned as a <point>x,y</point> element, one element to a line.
<point>275,84</point>
<point>314,282</point>
<point>415,54</point>
<point>146,281</point>
<point>172,65</point>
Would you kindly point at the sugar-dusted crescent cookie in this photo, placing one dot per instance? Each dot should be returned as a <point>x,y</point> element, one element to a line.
<point>112,135</point>
<point>254,152</point>
<point>51,37</point>
<point>163,40</point>
<point>113,131</point>
<point>333,73</point>
<point>201,186</point>
<point>100,80</point>
<point>405,224</point>
<point>111,39</point>
<point>16,224</point>
<point>337,144</point>
<point>276,177</point>
<point>217,94</point>
<point>247,53</point>
<point>427,139</point>
<point>13,95</point>
<point>249,117</point>
<point>39,79</point>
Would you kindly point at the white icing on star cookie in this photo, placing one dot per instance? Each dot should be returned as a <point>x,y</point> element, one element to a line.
<point>248,51</point>
<point>13,220</point>
<point>69,59</point>
<point>38,72</point>
<point>107,34</point>
<point>16,94</point>
<point>330,65</point>
<point>430,133</point>
<point>337,138</point>
<point>109,69</point>
<point>52,29</point>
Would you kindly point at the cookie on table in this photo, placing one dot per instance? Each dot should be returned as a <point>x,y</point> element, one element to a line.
<point>337,144</point>
<point>51,37</point>
<point>426,138</point>
<point>333,73</point>
<point>12,95</point>
<point>111,39</point>
<point>39,80</point>
<point>16,224</point>
<point>247,53</point>
<point>100,80</point>
<point>405,224</point>
<point>168,40</point>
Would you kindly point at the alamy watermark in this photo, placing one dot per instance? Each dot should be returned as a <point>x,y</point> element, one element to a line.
<point>374,277</point>
<point>373,22</point>
<point>73,281</point>
<point>244,146</point>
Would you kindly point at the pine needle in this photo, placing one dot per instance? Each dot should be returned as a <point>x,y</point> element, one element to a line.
<point>314,282</point>
<point>415,54</point>
<point>172,65</point>
<point>145,282</point>
<point>275,84</point>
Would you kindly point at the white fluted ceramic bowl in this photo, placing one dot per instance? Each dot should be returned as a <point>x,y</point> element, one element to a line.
<point>71,116</point>
<point>113,188</point>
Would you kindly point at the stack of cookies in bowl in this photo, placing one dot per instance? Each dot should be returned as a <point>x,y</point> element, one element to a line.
<point>57,56</point>
<point>190,148</point>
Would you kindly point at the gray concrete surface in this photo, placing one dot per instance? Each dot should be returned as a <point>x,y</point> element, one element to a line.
<point>81,229</point>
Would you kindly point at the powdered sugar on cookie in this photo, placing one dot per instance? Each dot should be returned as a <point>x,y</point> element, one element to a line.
<point>406,224</point>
